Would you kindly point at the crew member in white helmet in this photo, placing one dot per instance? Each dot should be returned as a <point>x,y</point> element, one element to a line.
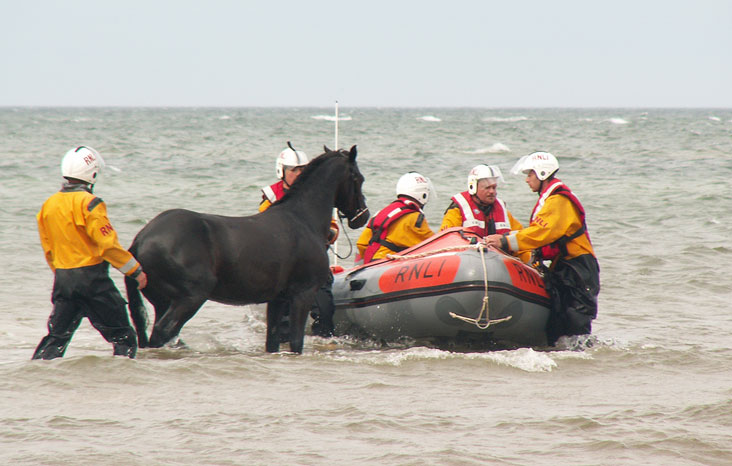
<point>479,209</point>
<point>558,233</point>
<point>80,243</point>
<point>401,224</point>
<point>288,167</point>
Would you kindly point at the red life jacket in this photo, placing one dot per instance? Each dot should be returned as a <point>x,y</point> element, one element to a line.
<point>379,225</point>
<point>474,219</point>
<point>274,192</point>
<point>558,248</point>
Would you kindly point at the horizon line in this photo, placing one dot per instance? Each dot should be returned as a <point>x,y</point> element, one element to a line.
<point>414,107</point>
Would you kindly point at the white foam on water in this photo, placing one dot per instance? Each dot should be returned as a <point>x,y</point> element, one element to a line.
<point>713,118</point>
<point>618,121</point>
<point>505,119</point>
<point>330,118</point>
<point>496,148</point>
<point>525,359</point>
<point>429,118</point>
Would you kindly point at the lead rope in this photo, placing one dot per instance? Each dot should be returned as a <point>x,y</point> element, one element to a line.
<point>485,308</point>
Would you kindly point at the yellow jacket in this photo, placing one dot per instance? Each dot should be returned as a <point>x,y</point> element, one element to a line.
<point>558,217</point>
<point>334,228</point>
<point>75,232</point>
<point>402,232</point>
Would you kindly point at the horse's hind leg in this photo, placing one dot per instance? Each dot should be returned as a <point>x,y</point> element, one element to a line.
<point>160,303</point>
<point>168,325</point>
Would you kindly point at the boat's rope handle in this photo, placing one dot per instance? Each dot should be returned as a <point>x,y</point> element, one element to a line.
<point>400,257</point>
<point>485,308</point>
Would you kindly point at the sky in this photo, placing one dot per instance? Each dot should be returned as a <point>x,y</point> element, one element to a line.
<point>311,53</point>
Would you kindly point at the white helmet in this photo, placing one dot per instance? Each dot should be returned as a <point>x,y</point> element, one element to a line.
<point>480,172</point>
<point>82,163</point>
<point>416,186</point>
<point>543,164</point>
<point>290,158</point>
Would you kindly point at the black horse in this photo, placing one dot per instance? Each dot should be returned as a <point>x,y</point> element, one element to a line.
<point>278,256</point>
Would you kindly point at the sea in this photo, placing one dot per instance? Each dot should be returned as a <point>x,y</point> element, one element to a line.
<point>652,386</point>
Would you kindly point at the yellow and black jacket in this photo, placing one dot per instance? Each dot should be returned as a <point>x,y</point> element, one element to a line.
<point>75,232</point>
<point>555,218</point>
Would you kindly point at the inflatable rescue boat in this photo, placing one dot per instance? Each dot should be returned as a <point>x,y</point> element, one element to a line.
<point>451,288</point>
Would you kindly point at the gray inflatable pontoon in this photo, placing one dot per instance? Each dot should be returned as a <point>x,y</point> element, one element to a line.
<point>448,289</point>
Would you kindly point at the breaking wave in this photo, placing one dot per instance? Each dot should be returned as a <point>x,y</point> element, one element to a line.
<point>496,148</point>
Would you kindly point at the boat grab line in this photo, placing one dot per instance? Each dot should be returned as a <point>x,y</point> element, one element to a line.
<point>480,322</point>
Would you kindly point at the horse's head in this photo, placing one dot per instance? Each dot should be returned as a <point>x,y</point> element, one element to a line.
<point>350,200</point>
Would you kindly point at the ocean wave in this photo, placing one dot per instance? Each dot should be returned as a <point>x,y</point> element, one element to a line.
<point>429,118</point>
<point>496,148</point>
<point>618,121</point>
<point>505,119</point>
<point>713,118</point>
<point>525,359</point>
<point>330,118</point>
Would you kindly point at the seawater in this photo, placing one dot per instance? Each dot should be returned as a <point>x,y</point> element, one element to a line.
<point>653,387</point>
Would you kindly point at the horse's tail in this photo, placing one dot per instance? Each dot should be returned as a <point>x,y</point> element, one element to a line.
<point>137,311</point>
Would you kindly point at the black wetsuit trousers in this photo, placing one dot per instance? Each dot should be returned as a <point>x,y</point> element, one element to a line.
<point>86,292</point>
<point>573,285</point>
<point>323,310</point>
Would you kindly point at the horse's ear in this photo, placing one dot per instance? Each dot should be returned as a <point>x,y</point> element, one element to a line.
<point>352,154</point>
<point>325,148</point>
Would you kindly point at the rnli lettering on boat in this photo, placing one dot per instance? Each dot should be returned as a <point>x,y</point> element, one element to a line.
<point>422,273</point>
<point>525,278</point>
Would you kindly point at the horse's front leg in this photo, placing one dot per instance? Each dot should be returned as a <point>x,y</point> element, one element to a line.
<point>299,310</point>
<point>276,309</point>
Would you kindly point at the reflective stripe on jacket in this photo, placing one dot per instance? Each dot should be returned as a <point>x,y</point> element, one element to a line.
<point>271,194</point>
<point>466,213</point>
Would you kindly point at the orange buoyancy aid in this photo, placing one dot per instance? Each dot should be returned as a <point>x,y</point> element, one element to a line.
<point>274,192</point>
<point>474,219</point>
<point>558,248</point>
<point>379,226</point>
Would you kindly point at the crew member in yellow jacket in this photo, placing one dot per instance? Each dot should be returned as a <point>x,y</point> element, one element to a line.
<point>79,243</point>
<point>479,209</point>
<point>290,163</point>
<point>401,224</point>
<point>558,233</point>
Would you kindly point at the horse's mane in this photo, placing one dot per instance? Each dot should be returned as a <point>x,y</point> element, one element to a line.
<point>310,168</point>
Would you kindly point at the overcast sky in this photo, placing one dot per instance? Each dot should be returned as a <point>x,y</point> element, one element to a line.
<point>448,53</point>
